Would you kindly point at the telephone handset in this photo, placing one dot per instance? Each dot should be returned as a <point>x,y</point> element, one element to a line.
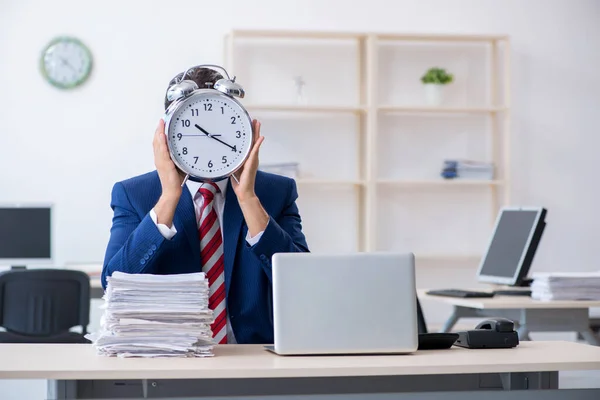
<point>495,333</point>
<point>497,325</point>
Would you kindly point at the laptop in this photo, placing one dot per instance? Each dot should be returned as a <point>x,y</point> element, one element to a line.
<point>362,303</point>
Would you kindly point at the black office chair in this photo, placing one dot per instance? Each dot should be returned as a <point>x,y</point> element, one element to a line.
<point>42,305</point>
<point>421,325</point>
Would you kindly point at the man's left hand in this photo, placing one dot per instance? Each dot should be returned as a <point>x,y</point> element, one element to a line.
<point>246,176</point>
<point>255,215</point>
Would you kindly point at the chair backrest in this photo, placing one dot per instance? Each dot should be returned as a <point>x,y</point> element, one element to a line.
<point>42,302</point>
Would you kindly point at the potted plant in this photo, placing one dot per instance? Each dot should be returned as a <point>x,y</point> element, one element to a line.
<point>434,81</point>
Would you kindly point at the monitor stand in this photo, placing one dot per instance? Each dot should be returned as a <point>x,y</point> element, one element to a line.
<point>518,289</point>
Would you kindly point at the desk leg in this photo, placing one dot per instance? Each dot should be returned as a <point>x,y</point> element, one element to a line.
<point>590,337</point>
<point>523,332</point>
<point>61,390</point>
<point>452,320</point>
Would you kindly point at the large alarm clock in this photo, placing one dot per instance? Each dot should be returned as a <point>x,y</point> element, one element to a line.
<point>209,132</point>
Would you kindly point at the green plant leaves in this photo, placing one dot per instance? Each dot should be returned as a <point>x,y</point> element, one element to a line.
<point>438,76</point>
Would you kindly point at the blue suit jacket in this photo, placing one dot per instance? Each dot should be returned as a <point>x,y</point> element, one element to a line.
<point>136,245</point>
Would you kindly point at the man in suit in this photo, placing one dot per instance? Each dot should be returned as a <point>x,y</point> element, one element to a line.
<point>227,229</point>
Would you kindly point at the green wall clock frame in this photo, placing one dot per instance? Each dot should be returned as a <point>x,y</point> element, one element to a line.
<point>66,62</point>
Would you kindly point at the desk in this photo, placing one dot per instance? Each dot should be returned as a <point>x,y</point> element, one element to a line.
<point>529,371</point>
<point>530,315</point>
<point>96,290</point>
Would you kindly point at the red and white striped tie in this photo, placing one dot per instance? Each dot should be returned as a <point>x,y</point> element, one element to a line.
<point>211,254</point>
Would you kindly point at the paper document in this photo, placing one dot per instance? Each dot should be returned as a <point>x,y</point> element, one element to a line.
<point>566,286</point>
<point>155,316</point>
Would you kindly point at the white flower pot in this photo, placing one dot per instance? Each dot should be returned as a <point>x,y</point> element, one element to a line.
<point>434,94</point>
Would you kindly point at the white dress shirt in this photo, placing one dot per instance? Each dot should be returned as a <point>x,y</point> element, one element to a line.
<point>219,205</point>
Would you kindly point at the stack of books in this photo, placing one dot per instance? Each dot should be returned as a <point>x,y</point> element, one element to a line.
<point>566,286</point>
<point>155,316</point>
<point>468,169</point>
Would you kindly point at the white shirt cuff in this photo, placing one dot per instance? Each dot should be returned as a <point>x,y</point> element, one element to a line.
<point>253,240</point>
<point>164,230</point>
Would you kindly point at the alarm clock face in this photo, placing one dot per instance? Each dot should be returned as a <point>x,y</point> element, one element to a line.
<point>209,135</point>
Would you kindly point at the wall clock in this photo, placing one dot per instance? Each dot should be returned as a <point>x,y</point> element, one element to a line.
<point>66,62</point>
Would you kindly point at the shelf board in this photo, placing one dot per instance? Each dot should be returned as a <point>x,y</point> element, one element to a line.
<point>441,110</point>
<point>332,182</point>
<point>440,37</point>
<point>440,182</point>
<point>301,108</point>
<point>286,34</point>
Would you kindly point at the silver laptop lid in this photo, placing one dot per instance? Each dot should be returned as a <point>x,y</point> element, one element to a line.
<point>350,303</point>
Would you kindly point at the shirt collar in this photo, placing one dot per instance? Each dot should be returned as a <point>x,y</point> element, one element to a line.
<point>194,186</point>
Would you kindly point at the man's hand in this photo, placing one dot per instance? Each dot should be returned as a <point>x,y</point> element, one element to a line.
<point>244,190</point>
<point>255,215</point>
<point>170,178</point>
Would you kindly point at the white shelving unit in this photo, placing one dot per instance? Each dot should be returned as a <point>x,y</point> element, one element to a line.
<point>366,182</point>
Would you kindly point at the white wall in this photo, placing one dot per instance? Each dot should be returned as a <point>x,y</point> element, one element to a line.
<point>70,147</point>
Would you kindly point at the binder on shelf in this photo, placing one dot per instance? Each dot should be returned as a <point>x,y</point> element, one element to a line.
<point>468,169</point>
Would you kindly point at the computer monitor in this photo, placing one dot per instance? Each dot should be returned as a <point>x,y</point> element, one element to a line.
<point>510,252</point>
<point>25,235</point>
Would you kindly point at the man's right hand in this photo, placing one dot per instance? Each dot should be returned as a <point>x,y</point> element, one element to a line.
<point>170,178</point>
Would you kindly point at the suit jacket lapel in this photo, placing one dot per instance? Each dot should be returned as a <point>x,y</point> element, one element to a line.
<point>185,216</point>
<point>232,224</point>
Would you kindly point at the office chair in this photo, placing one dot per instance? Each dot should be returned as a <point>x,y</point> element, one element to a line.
<point>42,305</point>
<point>421,325</point>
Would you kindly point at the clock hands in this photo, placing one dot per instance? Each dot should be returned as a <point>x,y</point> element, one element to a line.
<point>65,62</point>
<point>234,148</point>
<point>199,127</point>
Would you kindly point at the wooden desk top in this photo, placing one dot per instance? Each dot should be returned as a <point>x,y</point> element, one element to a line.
<point>79,361</point>
<point>507,302</point>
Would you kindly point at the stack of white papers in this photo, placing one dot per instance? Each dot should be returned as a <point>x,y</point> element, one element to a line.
<point>566,286</point>
<point>155,316</point>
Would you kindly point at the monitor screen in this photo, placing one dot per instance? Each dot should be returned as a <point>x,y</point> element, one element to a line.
<point>25,233</point>
<point>510,243</point>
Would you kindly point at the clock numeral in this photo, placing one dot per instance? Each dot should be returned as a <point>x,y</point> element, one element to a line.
<point>184,151</point>
<point>207,107</point>
<point>195,160</point>
<point>224,160</point>
<point>210,164</point>
<point>179,136</point>
<point>234,148</point>
<point>238,134</point>
<point>194,112</point>
<point>232,120</point>
<point>185,122</point>
<point>222,110</point>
